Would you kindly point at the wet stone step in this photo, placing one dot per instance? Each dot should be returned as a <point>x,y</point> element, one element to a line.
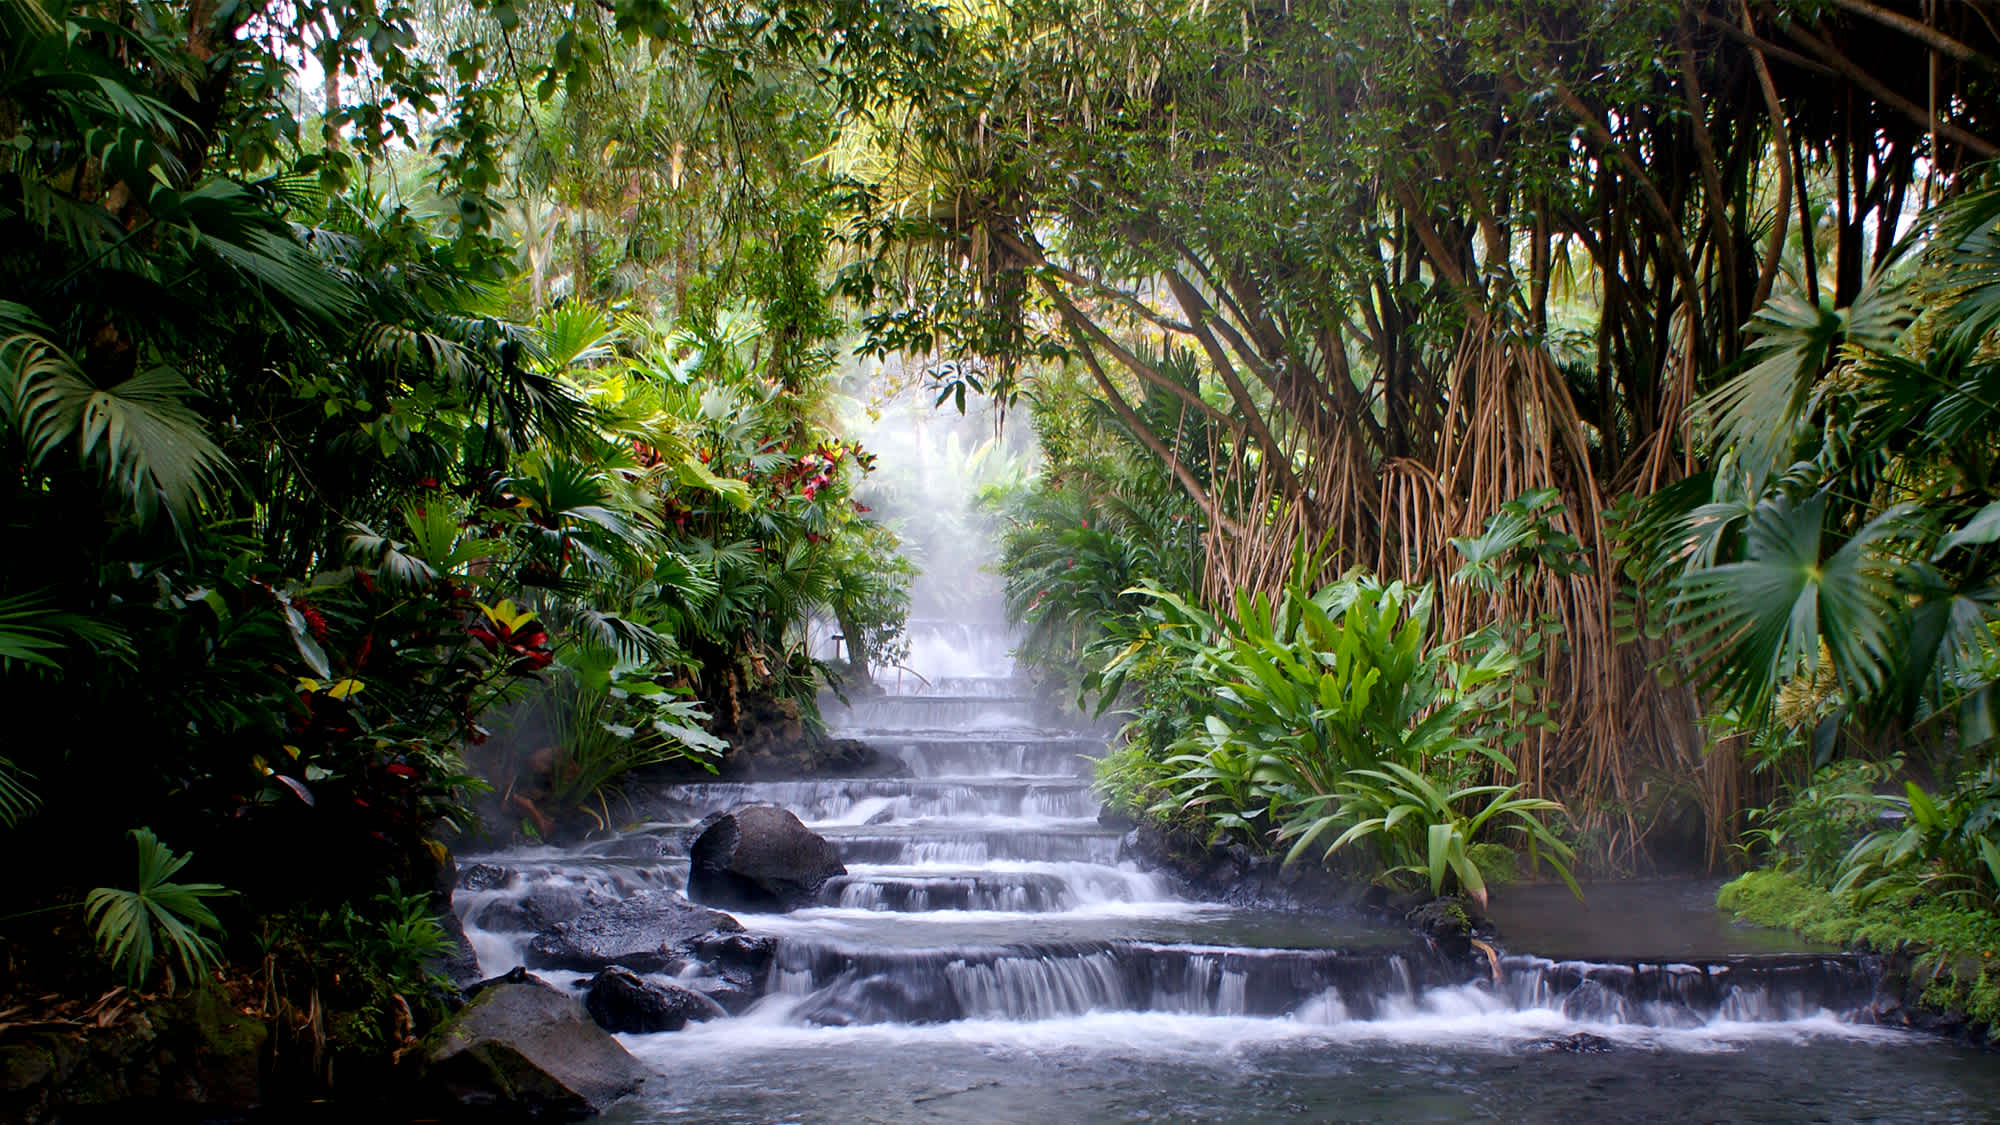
<point>980,685</point>
<point>1756,988</point>
<point>877,800</point>
<point>1023,893</point>
<point>1019,888</point>
<point>837,984</point>
<point>930,756</point>
<point>1033,981</point>
<point>929,712</point>
<point>935,844</point>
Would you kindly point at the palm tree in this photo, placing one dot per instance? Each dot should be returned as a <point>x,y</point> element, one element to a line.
<point>1852,515</point>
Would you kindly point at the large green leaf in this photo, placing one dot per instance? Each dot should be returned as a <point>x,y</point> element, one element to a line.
<point>1755,622</point>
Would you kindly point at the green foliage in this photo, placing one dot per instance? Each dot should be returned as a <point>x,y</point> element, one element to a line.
<point>607,733</point>
<point>308,488</point>
<point>1423,830</point>
<point>362,975</point>
<point>394,949</point>
<point>1949,848</point>
<point>1845,511</point>
<point>1329,718</point>
<point>1813,827</point>
<point>157,917</point>
<point>1956,945</point>
<point>1098,521</point>
<point>1520,539</point>
<point>1131,780</point>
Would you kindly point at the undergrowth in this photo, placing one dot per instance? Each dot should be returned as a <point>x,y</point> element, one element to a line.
<point>1957,946</point>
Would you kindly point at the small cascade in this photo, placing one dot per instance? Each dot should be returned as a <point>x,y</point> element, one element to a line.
<point>986,912</point>
<point>842,985</point>
<point>832,803</point>
<point>972,713</point>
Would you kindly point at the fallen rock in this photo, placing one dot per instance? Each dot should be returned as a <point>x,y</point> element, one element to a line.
<point>647,933</point>
<point>523,1047</point>
<point>760,857</point>
<point>619,1000</point>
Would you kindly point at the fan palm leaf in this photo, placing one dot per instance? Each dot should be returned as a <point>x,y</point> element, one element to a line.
<point>1753,622</point>
<point>138,433</point>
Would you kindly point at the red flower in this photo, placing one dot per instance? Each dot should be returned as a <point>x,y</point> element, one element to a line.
<point>315,620</point>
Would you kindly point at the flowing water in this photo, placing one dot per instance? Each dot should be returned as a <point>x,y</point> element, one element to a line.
<point>988,958</point>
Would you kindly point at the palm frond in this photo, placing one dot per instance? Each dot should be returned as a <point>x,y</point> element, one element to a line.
<point>139,433</point>
<point>1753,623</point>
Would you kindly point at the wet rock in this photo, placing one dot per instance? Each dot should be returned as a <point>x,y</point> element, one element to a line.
<point>1443,920</point>
<point>620,1001</point>
<point>461,965</point>
<point>731,990</point>
<point>485,877</point>
<point>1592,1002</point>
<point>1116,819</point>
<point>1232,873</point>
<point>541,908</point>
<point>736,949</point>
<point>527,1049</point>
<point>1577,1043</point>
<point>648,933</point>
<point>503,917</point>
<point>760,857</point>
<point>883,817</point>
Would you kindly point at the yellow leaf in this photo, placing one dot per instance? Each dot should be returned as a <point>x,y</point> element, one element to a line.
<point>307,683</point>
<point>292,750</point>
<point>341,689</point>
<point>506,615</point>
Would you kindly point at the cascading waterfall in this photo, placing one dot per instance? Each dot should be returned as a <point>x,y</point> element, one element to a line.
<point>987,923</point>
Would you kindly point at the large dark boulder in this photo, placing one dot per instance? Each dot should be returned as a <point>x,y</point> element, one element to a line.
<point>620,1000</point>
<point>647,933</point>
<point>760,857</point>
<point>524,1048</point>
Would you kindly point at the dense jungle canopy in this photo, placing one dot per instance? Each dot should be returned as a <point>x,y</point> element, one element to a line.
<point>371,371</point>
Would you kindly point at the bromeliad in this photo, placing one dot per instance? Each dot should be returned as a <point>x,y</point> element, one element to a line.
<point>516,632</point>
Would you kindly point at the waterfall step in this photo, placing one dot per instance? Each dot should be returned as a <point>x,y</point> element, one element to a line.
<point>865,800</point>
<point>944,842</point>
<point>835,983</point>
<point>915,890</point>
<point>1040,754</point>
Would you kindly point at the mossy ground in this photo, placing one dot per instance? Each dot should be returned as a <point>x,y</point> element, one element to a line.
<point>1956,945</point>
